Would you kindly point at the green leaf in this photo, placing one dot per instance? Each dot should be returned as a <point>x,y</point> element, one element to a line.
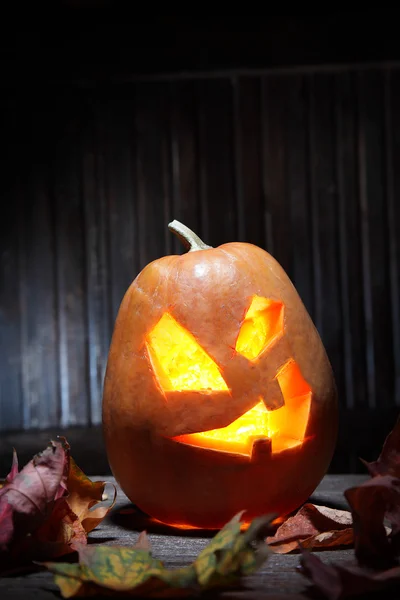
<point>229,556</point>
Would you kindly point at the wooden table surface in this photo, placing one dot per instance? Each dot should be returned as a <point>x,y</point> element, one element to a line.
<point>278,578</point>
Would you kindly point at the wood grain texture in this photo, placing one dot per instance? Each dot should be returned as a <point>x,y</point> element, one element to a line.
<point>304,164</point>
<point>277,577</point>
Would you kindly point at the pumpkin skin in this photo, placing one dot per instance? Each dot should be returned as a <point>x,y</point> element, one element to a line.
<point>147,428</point>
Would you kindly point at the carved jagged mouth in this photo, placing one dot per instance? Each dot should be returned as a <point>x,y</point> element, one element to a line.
<point>259,432</point>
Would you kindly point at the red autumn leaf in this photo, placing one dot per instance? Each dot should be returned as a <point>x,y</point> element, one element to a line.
<point>388,462</point>
<point>45,509</point>
<point>344,581</point>
<point>316,526</point>
<point>31,493</point>
<point>371,503</point>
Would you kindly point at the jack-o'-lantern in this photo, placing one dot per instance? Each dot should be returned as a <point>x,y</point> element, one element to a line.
<point>218,395</point>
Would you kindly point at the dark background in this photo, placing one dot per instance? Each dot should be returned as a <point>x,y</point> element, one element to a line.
<point>283,131</point>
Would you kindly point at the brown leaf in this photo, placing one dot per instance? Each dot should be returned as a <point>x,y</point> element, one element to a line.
<point>388,462</point>
<point>45,510</point>
<point>371,502</point>
<point>83,494</point>
<point>344,581</point>
<point>316,526</point>
<point>143,542</point>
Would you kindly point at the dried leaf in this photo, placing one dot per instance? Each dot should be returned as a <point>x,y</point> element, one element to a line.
<point>338,581</point>
<point>230,555</point>
<point>371,502</point>
<point>45,509</point>
<point>31,493</point>
<point>316,526</point>
<point>83,494</point>
<point>388,462</point>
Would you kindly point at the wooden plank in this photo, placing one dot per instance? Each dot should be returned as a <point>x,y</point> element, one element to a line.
<point>314,204</point>
<point>184,150</point>
<point>278,577</point>
<point>299,206</point>
<point>324,197</point>
<point>216,159</point>
<point>153,189</point>
<point>118,119</point>
<point>350,246</point>
<point>96,225</point>
<point>38,297</point>
<point>343,200</point>
<point>70,259</point>
<point>274,95</point>
<point>376,263</point>
<point>392,137</point>
<point>248,161</point>
<point>10,326</point>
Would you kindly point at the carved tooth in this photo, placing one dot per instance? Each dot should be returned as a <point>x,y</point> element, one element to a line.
<point>262,449</point>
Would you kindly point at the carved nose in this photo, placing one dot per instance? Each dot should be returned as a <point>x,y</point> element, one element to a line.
<point>262,449</point>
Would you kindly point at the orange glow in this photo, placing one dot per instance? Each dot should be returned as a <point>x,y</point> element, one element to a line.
<point>179,362</point>
<point>262,325</point>
<point>286,427</point>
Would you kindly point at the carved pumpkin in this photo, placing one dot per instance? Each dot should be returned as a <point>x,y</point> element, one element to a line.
<point>218,395</point>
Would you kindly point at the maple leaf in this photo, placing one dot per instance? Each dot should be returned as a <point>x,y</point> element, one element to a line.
<point>316,526</point>
<point>229,556</point>
<point>45,508</point>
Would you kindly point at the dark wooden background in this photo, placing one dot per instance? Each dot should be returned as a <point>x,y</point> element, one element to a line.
<point>302,160</point>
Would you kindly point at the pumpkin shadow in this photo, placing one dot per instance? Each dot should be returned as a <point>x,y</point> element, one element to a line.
<point>130,517</point>
<point>324,500</point>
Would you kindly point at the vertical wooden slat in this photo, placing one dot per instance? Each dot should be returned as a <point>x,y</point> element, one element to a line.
<point>204,226</point>
<point>151,130</point>
<point>70,260</point>
<point>119,160</point>
<point>217,160</point>
<point>184,158</point>
<point>392,224</point>
<point>173,148</point>
<point>350,235</point>
<point>39,327</point>
<point>265,167</point>
<point>274,161</point>
<point>343,243</point>
<point>375,249</point>
<point>325,226</point>
<point>366,269</point>
<point>11,400</point>
<point>96,218</point>
<point>238,162</point>
<point>314,215</point>
<point>300,236</point>
<point>249,165</point>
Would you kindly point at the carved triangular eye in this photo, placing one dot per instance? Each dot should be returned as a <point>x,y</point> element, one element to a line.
<point>262,325</point>
<point>178,361</point>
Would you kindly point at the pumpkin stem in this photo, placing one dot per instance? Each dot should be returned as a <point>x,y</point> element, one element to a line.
<point>189,239</point>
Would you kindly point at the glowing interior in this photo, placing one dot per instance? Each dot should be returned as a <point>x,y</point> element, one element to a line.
<point>179,362</point>
<point>262,324</point>
<point>286,427</point>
